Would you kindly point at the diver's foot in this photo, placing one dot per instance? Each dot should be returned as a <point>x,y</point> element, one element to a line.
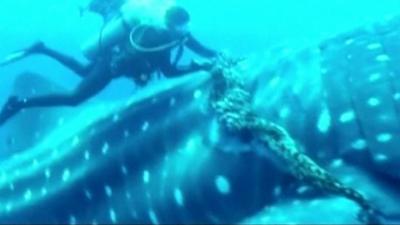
<point>37,47</point>
<point>11,108</point>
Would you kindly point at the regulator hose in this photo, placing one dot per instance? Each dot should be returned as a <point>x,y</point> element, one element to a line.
<point>159,48</point>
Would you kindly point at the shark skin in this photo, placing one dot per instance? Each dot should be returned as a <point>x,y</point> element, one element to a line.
<point>129,165</point>
<point>159,157</point>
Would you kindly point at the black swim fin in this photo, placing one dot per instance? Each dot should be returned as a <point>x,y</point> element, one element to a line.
<point>14,57</point>
<point>18,55</point>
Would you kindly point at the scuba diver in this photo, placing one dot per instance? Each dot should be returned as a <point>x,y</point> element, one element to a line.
<point>146,50</point>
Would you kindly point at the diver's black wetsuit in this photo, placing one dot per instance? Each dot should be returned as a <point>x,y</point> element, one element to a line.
<point>106,67</point>
<point>133,63</point>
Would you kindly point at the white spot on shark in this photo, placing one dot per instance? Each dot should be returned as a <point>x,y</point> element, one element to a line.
<point>145,126</point>
<point>213,134</point>
<point>359,144</point>
<point>349,41</point>
<point>126,133</point>
<point>28,195</point>
<point>105,148</point>
<point>128,195</point>
<point>337,163</point>
<point>87,155</point>
<point>374,46</point>
<point>35,163</point>
<point>324,121</point>
<point>44,191</point>
<point>3,177</point>
<point>115,118</point>
<point>380,157</point>
<point>60,121</point>
<point>108,191</point>
<point>347,116</point>
<point>124,170</point>
<point>373,102</point>
<point>9,207</point>
<point>113,216</point>
<point>88,194</point>
<point>274,81</point>
<point>72,220</point>
<point>197,94</point>
<point>302,189</point>
<point>277,191</point>
<point>384,137</point>
<point>172,102</point>
<point>47,173</point>
<point>146,176</point>
<point>179,199</point>
<point>382,58</point>
<point>12,188</point>
<point>75,141</point>
<point>396,96</point>
<point>153,217</point>
<point>374,77</point>
<point>284,112</point>
<point>66,175</point>
<point>223,185</point>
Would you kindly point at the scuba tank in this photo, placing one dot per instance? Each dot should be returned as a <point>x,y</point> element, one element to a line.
<point>111,33</point>
<point>129,23</point>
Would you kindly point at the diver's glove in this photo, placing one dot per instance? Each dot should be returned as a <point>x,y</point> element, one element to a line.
<point>196,65</point>
<point>228,60</point>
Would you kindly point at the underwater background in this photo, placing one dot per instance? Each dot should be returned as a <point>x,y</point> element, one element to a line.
<point>327,71</point>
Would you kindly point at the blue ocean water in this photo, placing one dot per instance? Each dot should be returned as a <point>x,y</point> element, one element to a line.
<point>324,70</point>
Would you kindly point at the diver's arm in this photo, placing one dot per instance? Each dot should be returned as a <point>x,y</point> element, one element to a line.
<point>172,71</point>
<point>200,49</point>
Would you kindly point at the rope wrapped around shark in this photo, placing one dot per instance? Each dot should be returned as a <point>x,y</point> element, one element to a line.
<point>232,105</point>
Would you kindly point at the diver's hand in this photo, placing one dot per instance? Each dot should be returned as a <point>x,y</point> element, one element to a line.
<point>201,65</point>
<point>228,59</point>
<point>222,55</point>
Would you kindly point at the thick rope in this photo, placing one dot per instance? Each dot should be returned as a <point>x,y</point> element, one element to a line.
<point>232,104</point>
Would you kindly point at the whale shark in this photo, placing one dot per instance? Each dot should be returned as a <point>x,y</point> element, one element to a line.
<point>159,158</point>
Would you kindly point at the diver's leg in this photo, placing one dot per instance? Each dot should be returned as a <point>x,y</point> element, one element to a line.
<point>68,61</point>
<point>89,86</point>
